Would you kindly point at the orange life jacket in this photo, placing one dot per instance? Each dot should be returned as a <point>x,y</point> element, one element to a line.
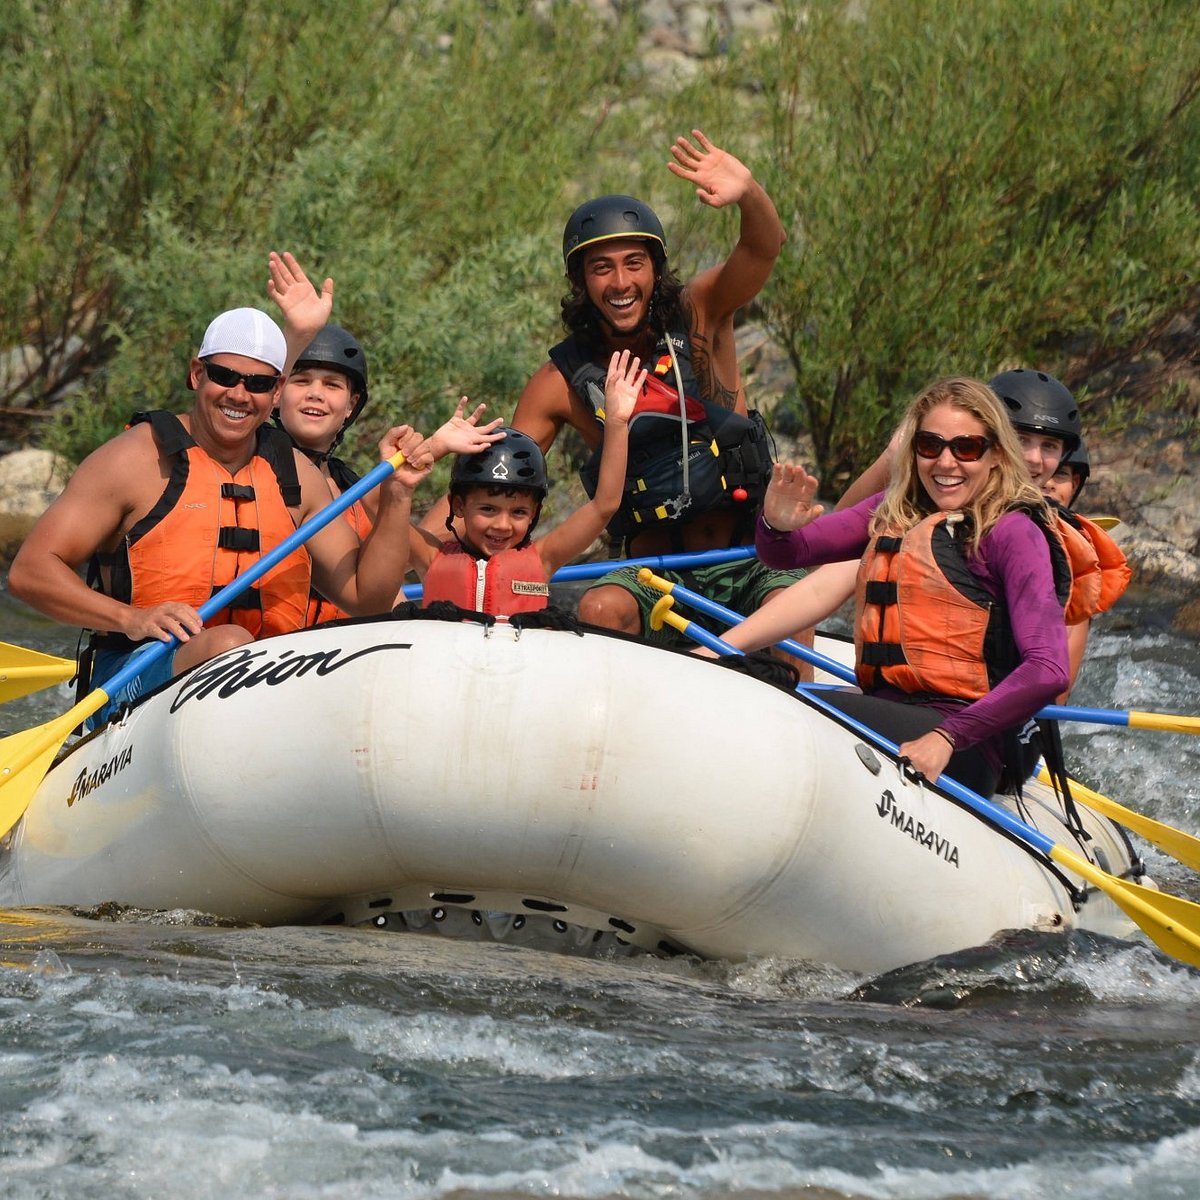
<point>510,582</point>
<point>924,623</point>
<point>208,527</point>
<point>1099,572</point>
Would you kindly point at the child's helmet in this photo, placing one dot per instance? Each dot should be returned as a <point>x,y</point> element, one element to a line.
<point>1080,465</point>
<point>516,461</point>
<point>1037,402</point>
<point>339,350</point>
<point>607,218</point>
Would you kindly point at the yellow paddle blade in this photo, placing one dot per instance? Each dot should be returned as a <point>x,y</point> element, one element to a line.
<point>25,757</point>
<point>1171,922</point>
<point>1105,522</point>
<point>1180,845</point>
<point>23,671</point>
<point>1167,722</point>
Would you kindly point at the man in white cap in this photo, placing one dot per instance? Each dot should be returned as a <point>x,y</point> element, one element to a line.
<point>174,508</point>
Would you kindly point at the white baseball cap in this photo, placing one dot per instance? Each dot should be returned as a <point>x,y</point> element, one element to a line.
<point>248,332</point>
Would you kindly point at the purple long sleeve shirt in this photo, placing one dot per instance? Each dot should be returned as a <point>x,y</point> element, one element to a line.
<point>1013,561</point>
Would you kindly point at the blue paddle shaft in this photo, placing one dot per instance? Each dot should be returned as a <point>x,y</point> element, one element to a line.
<point>985,808</point>
<point>1092,716</point>
<point>660,562</point>
<point>973,800</point>
<point>213,605</point>
<point>712,609</point>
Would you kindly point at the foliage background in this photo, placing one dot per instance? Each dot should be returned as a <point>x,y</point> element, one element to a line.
<point>968,184</point>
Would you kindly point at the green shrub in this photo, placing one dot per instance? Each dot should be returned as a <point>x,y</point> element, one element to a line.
<point>968,185</point>
<point>971,186</point>
<point>425,156</point>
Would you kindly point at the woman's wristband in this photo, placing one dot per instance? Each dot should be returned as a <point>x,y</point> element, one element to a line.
<point>762,517</point>
<point>948,736</point>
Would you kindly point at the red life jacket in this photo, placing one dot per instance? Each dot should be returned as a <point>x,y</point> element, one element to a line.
<point>510,582</point>
<point>208,527</point>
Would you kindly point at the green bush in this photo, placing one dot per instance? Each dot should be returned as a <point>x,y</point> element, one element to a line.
<point>971,186</point>
<point>425,156</point>
<point>968,185</point>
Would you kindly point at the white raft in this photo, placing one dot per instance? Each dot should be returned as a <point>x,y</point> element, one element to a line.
<point>426,774</point>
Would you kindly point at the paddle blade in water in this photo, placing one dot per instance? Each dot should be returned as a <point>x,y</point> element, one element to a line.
<point>1171,922</point>
<point>23,671</point>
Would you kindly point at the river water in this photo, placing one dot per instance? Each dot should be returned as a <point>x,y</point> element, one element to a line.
<point>169,1056</point>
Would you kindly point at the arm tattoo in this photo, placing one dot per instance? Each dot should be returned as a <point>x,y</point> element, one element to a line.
<point>703,367</point>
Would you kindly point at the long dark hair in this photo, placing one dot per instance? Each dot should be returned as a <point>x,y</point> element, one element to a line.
<point>666,304</point>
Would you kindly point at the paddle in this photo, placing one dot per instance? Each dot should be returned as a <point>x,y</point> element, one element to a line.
<point>711,608</point>
<point>23,671</point>
<point>1175,842</point>
<point>683,561</point>
<point>1166,722</point>
<point>1171,922</point>
<point>1180,845</point>
<point>25,757</point>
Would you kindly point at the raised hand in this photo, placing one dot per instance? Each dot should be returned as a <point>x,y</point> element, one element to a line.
<point>622,386</point>
<point>720,178</point>
<point>303,308</point>
<point>788,503</point>
<point>463,434</point>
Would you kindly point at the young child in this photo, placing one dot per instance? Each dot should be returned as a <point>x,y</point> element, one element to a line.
<point>1067,482</point>
<point>493,566</point>
<point>326,390</point>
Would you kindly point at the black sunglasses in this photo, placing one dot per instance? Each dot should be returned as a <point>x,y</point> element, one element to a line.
<point>227,377</point>
<point>964,449</point>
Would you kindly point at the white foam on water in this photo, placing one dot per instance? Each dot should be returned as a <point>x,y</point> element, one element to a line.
<point>1134,974</point>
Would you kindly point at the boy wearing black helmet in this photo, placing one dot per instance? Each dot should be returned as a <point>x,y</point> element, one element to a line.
<point>1045,416</point>
<point>1067,482</point>
<point>692,484</point>
<point>493,565</point>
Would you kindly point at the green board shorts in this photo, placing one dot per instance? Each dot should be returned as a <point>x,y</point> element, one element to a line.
<point>743,585</point>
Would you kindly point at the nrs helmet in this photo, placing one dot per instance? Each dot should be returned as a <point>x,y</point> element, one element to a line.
<point>335,348</point>
<point>609,218</point>
<point>1038,403</point>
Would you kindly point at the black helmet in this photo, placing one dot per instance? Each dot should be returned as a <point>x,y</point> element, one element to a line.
<point>1080,466</point>
<point>607,218</point>
<point>1039,403</point>
<point>515,461</point>
<point>333,347</point>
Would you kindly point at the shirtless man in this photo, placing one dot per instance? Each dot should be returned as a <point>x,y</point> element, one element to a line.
<point>623,296</point>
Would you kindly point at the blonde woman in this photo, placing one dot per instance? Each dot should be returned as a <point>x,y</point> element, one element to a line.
<point>959,633</point>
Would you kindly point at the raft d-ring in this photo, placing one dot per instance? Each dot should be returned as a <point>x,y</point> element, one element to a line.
<point>658,614</point>
<point>908,773</point>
